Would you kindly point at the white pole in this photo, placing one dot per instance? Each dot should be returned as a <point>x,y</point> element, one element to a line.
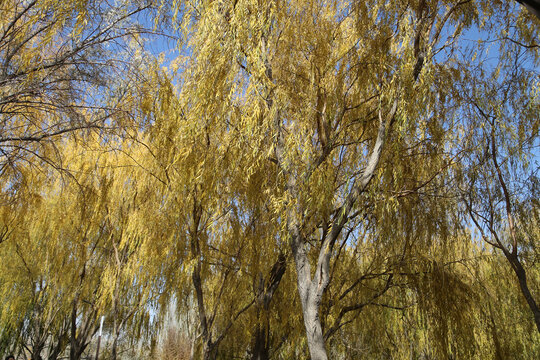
<point>101,326</point>
<point>99,337</point>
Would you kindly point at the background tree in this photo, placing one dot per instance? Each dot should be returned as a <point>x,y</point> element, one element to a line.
<point>66,68</point>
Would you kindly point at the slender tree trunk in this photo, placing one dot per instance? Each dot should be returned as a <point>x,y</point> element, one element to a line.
<point>80,335</point>
<point>193,347</point>
<point>512,256</point>
<point>260,349</point>
<point>36,352</point>
<point>38,342</point>
<point>208,351</point>
<point>59,347</point>
<point>54,354</point>
<point>207,348</point>
<point>73,348</point>
<point>114,350</point>
<point>495,336</point>
<point>116,330</point>
<point>524,287</point>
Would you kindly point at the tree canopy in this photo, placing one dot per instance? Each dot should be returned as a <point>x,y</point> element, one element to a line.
<point>269,179</point>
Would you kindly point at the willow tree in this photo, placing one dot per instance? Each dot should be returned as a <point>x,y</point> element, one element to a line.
<point>318,131</point>
<point>326,90</point>
<point>63,69</point>
<point>219,228</point>
<point>69,255</point>
<point>499,188</point>
<point>58,270</point>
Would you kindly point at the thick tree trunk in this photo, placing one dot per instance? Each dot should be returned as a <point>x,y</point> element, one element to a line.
<point>310,291</point>
<point>314,332</point>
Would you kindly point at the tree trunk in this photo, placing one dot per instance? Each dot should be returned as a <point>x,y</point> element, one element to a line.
<point>74,348</point>
<point>114,349</point>
<point>208,351</point>
<point>36,352</point>
<point>193,347</point>
<point>310,299</point>
<point>522,279</point>
<point>80,335</point>
<point>310,291</point>
<point>207,348</point>
<point>260,350</point>
<point>59,347</point>
<point>314,332</point>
